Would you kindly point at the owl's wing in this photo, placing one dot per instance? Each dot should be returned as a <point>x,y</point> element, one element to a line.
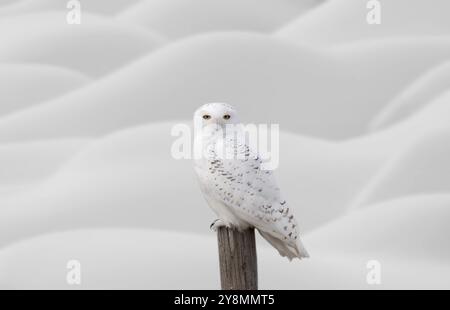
<point>252,195</point>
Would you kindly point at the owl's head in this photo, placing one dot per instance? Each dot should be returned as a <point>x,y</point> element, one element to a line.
<point>221,114</point>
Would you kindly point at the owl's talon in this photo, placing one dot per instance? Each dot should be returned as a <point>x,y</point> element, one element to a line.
<point>216,225</point>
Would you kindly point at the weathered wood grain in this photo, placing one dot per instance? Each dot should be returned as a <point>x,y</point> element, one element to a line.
<point>237,258</point>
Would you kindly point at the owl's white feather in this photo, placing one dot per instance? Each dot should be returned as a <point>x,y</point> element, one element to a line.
<point>236,188</point>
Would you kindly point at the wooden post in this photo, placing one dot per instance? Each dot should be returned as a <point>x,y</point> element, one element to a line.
<point>237,258</point>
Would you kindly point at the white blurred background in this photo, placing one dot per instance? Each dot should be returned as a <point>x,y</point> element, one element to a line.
<point>89,92</point>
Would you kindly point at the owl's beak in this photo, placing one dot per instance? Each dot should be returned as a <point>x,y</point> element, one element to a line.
<point>215,122</point>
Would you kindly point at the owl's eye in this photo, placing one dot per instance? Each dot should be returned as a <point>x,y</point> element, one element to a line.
<point>226,116</point>
<point>206,116</point>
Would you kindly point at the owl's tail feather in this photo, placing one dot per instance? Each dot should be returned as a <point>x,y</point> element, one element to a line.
<point>301,250</point>
<point>286,250</point>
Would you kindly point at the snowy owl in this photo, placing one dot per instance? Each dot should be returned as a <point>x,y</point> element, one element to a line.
<point>236,188</point>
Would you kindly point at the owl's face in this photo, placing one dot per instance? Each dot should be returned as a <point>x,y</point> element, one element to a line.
<point>215,114</point>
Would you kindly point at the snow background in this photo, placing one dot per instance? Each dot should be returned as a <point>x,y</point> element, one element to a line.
<point>86,113</point>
